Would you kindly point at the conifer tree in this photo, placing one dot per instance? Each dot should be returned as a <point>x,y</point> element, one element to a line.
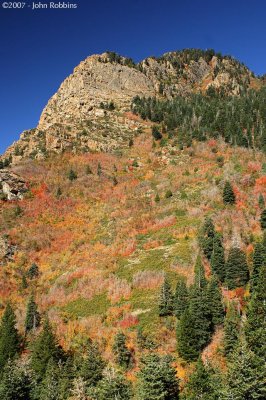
<point>121,352</point>
<point>72,175</point>
<point>201,384</point>
<point>199,274</point>
<point>24,283</point>
<point>33,319</point>
<point>246,380</point>
<point>228,194</point>
<point>263,219</point>
<point>92,366</point>
<point>231,329</point>
<point>16,382</point>
<point>49,388</point>
<point>215,299</point>
<point>237,272</point>
<point>261,201</point>
<point>207,237</point>
<point>258,261</point>
<point>187,339</point>
<point>9,337</point>
<point>99,169</point>
<point>218,259</point>
<point>180,298</point>
<point>112,386</point>
<point>157,378</point>
<point>165,299</point>
<point>33,271</point>
<point>45,348</point>
<point>255,326</point>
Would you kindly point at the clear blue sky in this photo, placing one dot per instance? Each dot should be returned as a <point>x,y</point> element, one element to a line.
<point>39,48</point>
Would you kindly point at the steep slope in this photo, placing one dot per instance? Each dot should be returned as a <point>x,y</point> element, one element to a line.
<point>90,109</point>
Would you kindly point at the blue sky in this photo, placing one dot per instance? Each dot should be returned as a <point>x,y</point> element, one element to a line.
<point>39,48</point>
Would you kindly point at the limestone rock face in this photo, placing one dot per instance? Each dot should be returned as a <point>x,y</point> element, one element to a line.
<point>91,109</point>
<point>7,250</point>
<point>12,186</point>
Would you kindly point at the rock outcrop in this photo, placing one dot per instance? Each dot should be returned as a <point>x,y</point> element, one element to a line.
<point>89,112</point>
<point>7,250</point>
<point>12,187</point>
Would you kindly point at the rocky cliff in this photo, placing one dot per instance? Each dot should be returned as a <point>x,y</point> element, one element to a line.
<point>90,111</point>
<point>12,186</point>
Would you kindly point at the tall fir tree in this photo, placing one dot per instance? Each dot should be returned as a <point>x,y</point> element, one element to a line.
<point>92,366</point>
<point>166,299</point>
<point>215,299</point>
<point>231,329</point>
<point>263,219</point>
<point>112,386</point>
<point>180,303</point>
<point>187,339</point>
<point>255,326</point>
<point>10,339</point>
<point>261,201</point>
<point>237,271</point>
<point>201,384</point>
<point>199,274</point>
<point>122,353</point>
<point>206,237</point>
<point>157,378</point>
<point>45,348</point>
<point>49,388</point>
<point>228,194</point>
<point>33,318</point>
<point>218,259</point>
<point>33,271</point>
<point>17,382</point>
<point>258,262</point>
<point>246,380</point>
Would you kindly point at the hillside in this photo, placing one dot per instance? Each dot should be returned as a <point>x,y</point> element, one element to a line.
<point>142,252</point>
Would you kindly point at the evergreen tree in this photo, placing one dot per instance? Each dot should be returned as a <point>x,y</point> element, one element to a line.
<point>187,339</point>
<point>45,348</point>
<point>258,261</point>
<point>237,272</point>
<point>156,133</point>
<point>16,382</point>
<point>157,379</point>
<point>199,274</point>
<point>49,388</point>
<point>131,143</point>
<point>157,198</point>
<point>92,366</point>
<point>218,259</point>
<point>231,329</point>
<point>9,337</point>
<point>88,170</point>
<point>99,169</point>
<point>263,219</point>
<point>33,271</point>
<point>246,380</point>
<point>207,238</point>
<point>215,299</point>
<point>113,386</point>
<point>255,326</point>
<point>201,384</point>
<point>72,175</point>
<point>58,193</point>
<point>180,298</point>
<point>121,352</point>
<point>165,299</point>
<point>261,201</point>
<point>228,194</point>
<point>33,319</point>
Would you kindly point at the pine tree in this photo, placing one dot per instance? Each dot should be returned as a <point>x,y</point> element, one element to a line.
<point>156,133</point>
<point>263,219</point>
<point>88,170</point>
<point>45,348</point>
<point>261,201</point>
<point>237,272</point>
<point>255,326</point>
<point>215,299</point>
<point>113,386</point>
<point>49,388</point>
<point>157,378</point>
<point>121,352</point>
<point>228,194</point>
<point>24,283</point>
<point>16,382</point>
<point>231,329</point>
<point>33,271</point>
<point>9,337</point>
<point>187,339</point>
<point>246,380</point>
<point>218,259</point>
<point>157,198</point>
<point>99,169</point>
<point>207,237</point>
<point>180,298</point>
<point>92,366</point>
<point>258,261</point>
<point>165,299</point>
<point>33,319</point>
<point>199,274</point>
<point>72,175</point>
<point>201,384</point>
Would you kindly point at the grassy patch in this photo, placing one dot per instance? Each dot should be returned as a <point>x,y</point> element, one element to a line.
<point>79,308</point>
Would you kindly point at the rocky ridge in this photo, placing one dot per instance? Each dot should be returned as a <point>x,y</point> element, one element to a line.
<point>91,109</point>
